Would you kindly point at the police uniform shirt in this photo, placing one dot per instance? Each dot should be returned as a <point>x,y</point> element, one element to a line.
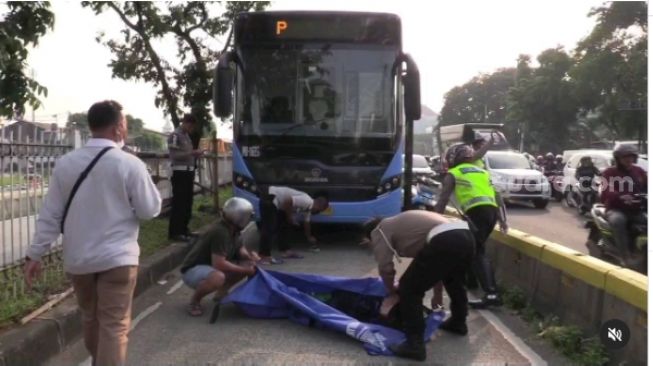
<point>302,203</point>
<point>181,148</point>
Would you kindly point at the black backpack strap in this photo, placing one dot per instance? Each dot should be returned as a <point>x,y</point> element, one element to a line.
<point>79,182</point>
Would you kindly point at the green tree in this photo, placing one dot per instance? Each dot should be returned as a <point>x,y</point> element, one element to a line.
<point>611,71</point>
<point>22,24</point>
<point>542,105</point>
<point>80,121</point>
<point>181,81</point>
<point>482,99</point>
<point>148,141</point>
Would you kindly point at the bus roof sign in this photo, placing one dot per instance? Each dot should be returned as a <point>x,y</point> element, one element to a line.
<point>345,27</point>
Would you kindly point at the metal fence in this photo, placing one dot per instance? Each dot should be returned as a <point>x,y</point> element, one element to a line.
<point>25,170</point>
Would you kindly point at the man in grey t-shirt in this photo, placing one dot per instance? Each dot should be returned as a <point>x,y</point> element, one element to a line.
<point>280,207</point>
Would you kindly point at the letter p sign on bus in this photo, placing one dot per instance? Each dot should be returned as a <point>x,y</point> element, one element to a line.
<point>282,25</point>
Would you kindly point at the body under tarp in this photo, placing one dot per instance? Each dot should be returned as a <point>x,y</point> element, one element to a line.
<point>347,305</point>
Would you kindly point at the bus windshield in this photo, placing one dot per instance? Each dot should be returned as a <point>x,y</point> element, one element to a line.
<point>316,91</point>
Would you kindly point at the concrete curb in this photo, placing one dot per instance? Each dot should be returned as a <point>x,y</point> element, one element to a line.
<point>50,333</point>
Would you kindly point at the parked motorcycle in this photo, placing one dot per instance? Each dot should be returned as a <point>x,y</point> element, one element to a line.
<point>600,241</point>
<point>424,192</point>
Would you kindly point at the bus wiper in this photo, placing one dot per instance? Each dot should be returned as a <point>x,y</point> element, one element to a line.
<point>287,130</point>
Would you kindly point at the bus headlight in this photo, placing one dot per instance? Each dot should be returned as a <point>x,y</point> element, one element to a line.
<point>389,184</point>
<point>245,183</point>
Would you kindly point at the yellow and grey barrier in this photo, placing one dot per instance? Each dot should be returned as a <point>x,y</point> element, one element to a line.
<point>578,288</point>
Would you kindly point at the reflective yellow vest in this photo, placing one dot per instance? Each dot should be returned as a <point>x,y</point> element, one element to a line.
<point>479,163</point>
<point>473,187</point>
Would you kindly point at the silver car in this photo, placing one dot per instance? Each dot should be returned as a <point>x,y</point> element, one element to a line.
<point>517,179</point>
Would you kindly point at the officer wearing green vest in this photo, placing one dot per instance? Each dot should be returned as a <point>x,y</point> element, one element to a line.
<point>482,206</point>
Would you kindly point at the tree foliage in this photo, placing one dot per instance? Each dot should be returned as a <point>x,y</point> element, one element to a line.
<point>22,24</point>
<point>80,121</point>
<point>611,68</point>
<point>183,81</point>
<point>568,99</point>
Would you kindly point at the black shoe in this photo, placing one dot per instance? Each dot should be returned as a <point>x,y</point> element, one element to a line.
<point>487,301</point>
<point>184,238</point>
<point>412,350</point>
<point>455,327</point>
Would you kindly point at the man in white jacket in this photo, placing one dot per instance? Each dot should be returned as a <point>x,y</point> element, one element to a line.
<point>100,229</point>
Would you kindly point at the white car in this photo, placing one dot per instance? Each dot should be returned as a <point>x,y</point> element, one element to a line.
<point>516,179</point>
<point>602,160</point>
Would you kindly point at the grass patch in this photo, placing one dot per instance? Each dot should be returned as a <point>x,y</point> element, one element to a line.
<point>154,233</point>
<point>8,181</point>
<point>566,339</point>
<point>17,302</point>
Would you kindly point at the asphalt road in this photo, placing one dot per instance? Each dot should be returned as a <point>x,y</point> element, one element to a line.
<point>556,223</point>
<point>166,335</point>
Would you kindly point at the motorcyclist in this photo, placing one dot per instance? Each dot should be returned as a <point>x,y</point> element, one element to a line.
<point>540,161</point>
<point>618,186</point>
<point>585,175</point>
<point>558,163</point>
<point>549,163</point>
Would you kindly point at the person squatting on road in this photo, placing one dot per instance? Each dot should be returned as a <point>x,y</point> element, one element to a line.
<point>99,223</point>
<point>619,183</point>
<point>278,209</point>
<point>218,259</point>
<point>442,250</point>
<point>482,206</point>
<point>182,163</point>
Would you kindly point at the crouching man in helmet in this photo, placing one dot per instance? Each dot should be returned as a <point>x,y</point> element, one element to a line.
<point>218,259</point>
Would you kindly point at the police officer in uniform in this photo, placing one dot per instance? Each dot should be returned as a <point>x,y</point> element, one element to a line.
<point>182,161</point>
<point>482,206</point>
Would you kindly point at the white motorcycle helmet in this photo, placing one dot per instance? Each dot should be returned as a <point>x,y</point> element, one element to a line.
<point>238,211</point>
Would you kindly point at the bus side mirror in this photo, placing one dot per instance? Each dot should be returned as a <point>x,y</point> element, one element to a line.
<point>412,96</point>
<point>223,82</point>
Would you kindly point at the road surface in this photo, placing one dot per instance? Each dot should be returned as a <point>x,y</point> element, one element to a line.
<point>166,335</point>
<point>556,223</point>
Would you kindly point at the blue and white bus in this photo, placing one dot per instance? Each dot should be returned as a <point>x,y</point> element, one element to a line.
<point>319,103</point>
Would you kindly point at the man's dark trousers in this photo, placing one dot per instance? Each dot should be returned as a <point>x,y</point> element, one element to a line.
<point>182,202</point>
<point>445,258</point>
<point>272,225</point>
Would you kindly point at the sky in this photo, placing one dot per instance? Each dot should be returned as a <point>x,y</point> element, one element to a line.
<point>451,42</point>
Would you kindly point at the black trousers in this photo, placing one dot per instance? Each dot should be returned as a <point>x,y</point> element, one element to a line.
<point>445,258</point>
<point>273,223</point>
<point>182,202</point>
<point>485,219</point>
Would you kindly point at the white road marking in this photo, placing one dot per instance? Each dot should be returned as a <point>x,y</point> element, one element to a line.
<point>521,347</point>
<point>135,321</point>
<point>175,287</point>
<point>144,314</point>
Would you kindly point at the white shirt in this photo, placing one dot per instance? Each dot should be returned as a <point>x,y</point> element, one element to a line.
<point>301,202</point>
<point>101,229</point>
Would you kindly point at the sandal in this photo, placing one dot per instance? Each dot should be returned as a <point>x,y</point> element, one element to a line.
<point>292,255</point>
<point>270,261</point>
<point>195,310</point>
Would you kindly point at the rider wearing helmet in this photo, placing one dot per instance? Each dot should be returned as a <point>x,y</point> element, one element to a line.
<point>620,183</point>
<point>540,161</point>
<point>480,205</point>
<point>559,164</point>
<point>549,163</point>
<point>218,259</point>
<point>585,174</point>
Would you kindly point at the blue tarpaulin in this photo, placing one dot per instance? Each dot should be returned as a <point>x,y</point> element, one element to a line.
<point>346,305</point>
